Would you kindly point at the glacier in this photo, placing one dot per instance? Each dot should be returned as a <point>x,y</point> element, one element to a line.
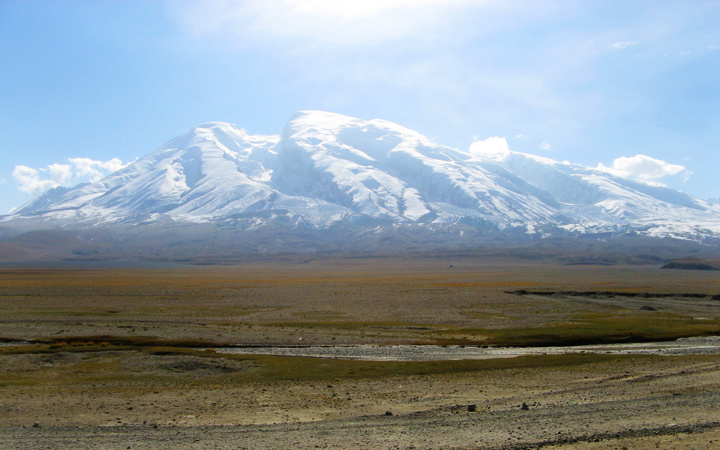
<point>326,169</point>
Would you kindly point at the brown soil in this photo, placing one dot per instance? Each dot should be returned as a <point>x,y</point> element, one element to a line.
<point>117,396</point>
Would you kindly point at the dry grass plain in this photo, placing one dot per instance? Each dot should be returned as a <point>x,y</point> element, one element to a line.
<point>122,360</point>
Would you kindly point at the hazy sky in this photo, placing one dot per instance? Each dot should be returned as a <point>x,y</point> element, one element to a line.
<point>628,86</point>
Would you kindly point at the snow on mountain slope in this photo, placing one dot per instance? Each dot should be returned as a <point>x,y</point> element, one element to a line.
<point>326,168</point>
<point>596,199</point>
<point>212,170</point>
<point>383,170</point>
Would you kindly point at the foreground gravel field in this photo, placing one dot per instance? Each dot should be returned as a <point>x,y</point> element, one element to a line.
<point>642,423</point>
<point>628,402</point>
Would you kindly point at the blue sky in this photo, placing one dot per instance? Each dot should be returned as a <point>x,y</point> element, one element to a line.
<point>628,86</point>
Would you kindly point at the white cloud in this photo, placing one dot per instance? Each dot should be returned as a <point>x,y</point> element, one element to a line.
<point>545,146</point>
<point>491,148</point>
<point>623,44</point>
<point>644,168</point>
<point>31,181</point>
<point>36,181</point>
<point>333,21</point>
<point>86,167</point>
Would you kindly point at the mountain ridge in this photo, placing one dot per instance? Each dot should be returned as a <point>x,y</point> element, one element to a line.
<point>326,169</point>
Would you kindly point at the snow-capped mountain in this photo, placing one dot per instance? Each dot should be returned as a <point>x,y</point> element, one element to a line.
<point>326,169</point>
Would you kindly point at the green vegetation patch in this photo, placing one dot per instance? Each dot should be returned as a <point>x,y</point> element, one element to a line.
<point>83,343</point>
<point>596,329</point>
<point>487,315</point>
<point>318,369</point>
<point>347,325</point>
<point>124,368</point>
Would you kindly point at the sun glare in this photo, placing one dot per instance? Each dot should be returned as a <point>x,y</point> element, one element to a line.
<point>354,9</point>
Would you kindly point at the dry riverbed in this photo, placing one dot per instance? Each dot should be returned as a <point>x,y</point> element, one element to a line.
<point>705,345</point>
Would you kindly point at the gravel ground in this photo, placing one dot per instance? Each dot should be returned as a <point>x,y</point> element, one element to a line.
<point>639,422</point>
<point>662,395</point>
<point>643,402</point>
